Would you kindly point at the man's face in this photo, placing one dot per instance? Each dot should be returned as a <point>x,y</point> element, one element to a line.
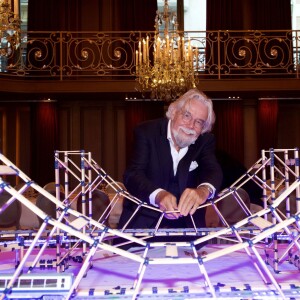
<point>187,123</point>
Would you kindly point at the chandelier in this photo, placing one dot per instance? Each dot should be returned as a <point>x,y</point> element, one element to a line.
<point>10,31</point>
<point>165,66</point>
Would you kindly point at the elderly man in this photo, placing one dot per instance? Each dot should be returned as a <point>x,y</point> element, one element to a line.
<point>173,166</point>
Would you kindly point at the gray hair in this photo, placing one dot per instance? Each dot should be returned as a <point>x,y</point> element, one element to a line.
<point>197,95</point>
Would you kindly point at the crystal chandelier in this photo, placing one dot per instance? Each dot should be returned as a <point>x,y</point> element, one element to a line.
<point>9,29</point>
<point>165,66</point>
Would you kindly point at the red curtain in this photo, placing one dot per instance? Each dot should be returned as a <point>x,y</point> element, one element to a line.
<point>44,141</point>
<point>267,124</point>
<point>229,129</point>
<point>137,112</point>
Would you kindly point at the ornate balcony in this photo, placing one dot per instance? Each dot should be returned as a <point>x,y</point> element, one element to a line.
<point>103,57</point>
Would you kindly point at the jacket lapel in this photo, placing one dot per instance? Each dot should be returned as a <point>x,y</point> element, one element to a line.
<point>184,166</point>
<point>164,154</point>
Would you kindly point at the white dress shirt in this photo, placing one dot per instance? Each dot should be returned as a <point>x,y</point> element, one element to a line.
<point>176,156</point>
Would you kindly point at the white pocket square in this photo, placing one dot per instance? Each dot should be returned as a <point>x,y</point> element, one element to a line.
<point>193,166</point>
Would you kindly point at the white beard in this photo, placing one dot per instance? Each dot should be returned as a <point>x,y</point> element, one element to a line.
<point>184,139</point>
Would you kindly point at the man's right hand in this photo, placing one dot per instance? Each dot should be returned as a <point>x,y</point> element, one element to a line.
<point>167,202</point>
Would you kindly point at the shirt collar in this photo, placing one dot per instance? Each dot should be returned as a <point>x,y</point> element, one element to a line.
<point>169,135</point>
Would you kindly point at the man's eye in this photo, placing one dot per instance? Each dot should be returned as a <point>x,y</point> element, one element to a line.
<point>199,123</point>
<point>186,114</point>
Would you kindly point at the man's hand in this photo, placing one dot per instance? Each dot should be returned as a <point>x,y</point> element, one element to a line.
<point>191,199</point>
<point>167,202</point>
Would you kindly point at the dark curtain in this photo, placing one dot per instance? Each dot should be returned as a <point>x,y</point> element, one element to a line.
<point>44,141</point>
<point>224,14</point>
<point>129,14</point>
<point>54,15</point>
<point>275,15</point>
<point>98,15</point>
<point>228,129</point>
<point>267,124</point>
<point>137,112</point>
<point>229,132</point>
<point>271,14</point>
<point>248,14</point>
<point>221,15</point>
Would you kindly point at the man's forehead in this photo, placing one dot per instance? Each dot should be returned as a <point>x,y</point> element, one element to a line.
<point>192,103</point>
<point>192,106</point>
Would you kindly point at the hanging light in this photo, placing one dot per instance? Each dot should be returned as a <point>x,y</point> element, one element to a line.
<point>10,31</point>
<point>165,66</point>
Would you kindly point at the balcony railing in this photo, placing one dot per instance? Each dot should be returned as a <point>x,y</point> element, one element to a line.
<point>65,55</point>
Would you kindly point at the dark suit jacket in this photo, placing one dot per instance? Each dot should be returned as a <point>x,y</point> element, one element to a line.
<point>152,167</point>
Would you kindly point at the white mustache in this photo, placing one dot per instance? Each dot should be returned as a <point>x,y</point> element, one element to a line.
<point>187,131</point>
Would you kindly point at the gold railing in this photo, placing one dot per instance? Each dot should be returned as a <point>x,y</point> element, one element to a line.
<point>66,55</point>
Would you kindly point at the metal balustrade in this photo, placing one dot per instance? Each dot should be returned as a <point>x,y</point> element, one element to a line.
<point>66,55</point>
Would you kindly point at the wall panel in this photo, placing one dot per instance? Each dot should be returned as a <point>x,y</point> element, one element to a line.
<point>250,133</point>
<point>289,124</point>
<point>96,127</point>
<point>64,127</point>
<point>23,136</point>
<point>120,142</point>
<point>15,136</point>
<point>91,130</point>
